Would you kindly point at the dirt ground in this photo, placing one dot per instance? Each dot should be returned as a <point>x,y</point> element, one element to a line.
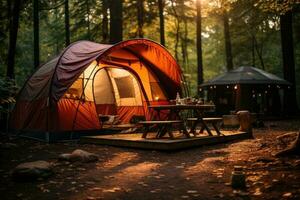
<point>120,173</point>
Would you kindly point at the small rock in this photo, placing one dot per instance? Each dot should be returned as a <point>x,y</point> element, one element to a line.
<point>32,171</point>
<point>192,191</point>
<point>79,155</point>
<point>257,192</point>
<point>65,156</point>
<point>287,195</point>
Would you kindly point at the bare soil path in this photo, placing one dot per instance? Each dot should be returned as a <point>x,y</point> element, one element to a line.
<point>120,173</point>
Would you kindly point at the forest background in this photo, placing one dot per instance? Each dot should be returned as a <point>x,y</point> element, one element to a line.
<point>233,32</point>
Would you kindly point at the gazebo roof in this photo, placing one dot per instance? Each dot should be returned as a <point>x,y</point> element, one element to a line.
<point>246,75</point>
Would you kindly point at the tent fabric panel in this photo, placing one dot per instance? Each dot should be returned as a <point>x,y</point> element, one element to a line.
<point>72,63</point>
<point>88,77</point>
<point>131,101</point>
<point>125,113</point>
<point>125,87</point>
<point>75,90</point>
<point>38,84</point>
<point>85,119</point>
<point>30,115</point>
<point>158,58</point>
<point>106,109</point>
<point>103,91</point>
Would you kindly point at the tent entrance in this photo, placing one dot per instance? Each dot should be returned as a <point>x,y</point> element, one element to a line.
<point>117,91</point>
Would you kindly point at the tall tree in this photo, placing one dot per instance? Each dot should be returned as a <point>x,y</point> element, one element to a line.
<point>13,33</point>
<point>177,25</point>
<point>88,19</point>
<point>67,23</point>
<point>105,21</point>
<point>116,23</point>
<point>161,4</point>
<point>140,18</point>
<point>229,63</point>
<point>199,45</point>
<point>36,32</point>
<point>287,46</point>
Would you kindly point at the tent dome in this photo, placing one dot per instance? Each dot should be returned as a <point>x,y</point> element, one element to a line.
<point>68,92</point>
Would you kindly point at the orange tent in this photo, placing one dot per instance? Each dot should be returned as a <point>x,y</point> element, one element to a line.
<point>68,93</point>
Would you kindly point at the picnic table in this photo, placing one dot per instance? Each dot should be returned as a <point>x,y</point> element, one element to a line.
<point>174,117</point>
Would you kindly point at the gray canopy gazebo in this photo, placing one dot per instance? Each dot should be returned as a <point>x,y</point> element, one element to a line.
<point>246,88</point>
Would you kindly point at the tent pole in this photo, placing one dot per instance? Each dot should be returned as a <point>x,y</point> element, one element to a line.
<point>81,99</point>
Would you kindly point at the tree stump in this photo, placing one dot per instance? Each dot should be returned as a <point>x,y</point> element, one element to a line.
<point>245,121</point>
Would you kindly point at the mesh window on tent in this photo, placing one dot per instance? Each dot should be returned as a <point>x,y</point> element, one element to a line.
<point>125,87</point>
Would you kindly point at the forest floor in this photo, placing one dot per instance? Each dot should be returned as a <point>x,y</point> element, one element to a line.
<point>121,173</point>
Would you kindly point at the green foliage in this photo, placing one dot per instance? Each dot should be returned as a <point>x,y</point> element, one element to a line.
<point>8,92</point>
<point>275,6</point>
<point>250,20</point>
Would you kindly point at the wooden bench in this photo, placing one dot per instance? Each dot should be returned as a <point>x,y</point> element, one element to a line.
<point>163,127</point>
<point>211,120</point>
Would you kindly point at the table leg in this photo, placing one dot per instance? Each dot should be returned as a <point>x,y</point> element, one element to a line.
<point>217,129</point>
<point>193,127</point>
<point>169,130</point>
<point>183,128</point>
<point>146,129</point>
<point>162,130</point>
<point>205,127</point>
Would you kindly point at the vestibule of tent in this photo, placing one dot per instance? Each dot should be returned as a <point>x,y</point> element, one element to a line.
<point>67,94</point>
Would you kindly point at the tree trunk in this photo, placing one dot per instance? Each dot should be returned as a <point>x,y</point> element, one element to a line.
<point>88,19</point>
<point>177,24</point>
<point>105,21</point>
<point>161,22</point>
<point>177,34</point>
<point>287,47</point>
<point>140,18</point>
<point>199,45</point>
<point>67,23</point>
<point>259,53</point>
<point>116,24</point>
<point>36,30</point>
<point>229,63</point>
<point>253,51</point>
<point>13,33</point>
<point>184,51</point>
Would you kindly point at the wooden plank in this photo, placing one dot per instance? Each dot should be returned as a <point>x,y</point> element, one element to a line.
<point>162,144</point>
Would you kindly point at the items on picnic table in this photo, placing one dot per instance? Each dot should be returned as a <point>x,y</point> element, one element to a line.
<point>190,101</point>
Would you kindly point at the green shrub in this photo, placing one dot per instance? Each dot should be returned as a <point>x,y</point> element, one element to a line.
<point>8,92</point>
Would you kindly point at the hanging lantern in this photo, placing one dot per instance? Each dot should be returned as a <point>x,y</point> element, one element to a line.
<point>235,87</point>
<point>227,86</point>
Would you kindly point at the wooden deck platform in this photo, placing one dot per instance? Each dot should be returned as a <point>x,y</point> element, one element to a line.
<point>135,140</point>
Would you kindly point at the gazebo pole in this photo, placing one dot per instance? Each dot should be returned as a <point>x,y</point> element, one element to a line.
<point>237,89</point>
